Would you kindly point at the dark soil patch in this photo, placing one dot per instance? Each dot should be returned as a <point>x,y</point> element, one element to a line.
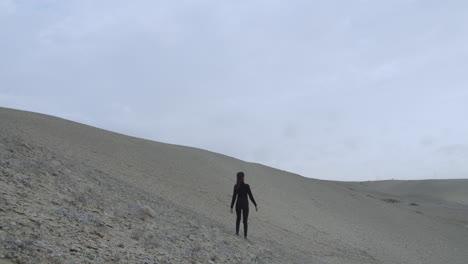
<point>389,200</point>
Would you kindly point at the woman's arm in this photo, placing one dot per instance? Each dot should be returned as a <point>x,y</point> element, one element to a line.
<point>234,196</point>
<point>251,196</point>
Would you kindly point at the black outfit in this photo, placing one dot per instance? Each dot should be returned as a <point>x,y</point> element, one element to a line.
<point>242,204</point>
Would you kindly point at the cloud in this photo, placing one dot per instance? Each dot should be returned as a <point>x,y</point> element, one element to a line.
<point>335,90</point>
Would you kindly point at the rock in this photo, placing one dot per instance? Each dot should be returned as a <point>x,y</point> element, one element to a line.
<point>161,251</point>
<point>99,234</point>
<point>55,163</point>
<point>90,246</point>
<point>206,245</point>
<point>36,220</point>
<point>148,211</point>
<point>22,259</point>
<point>75,248</point>
<point>104,245</point>
<point>11,255</point>
<point>26,146</point>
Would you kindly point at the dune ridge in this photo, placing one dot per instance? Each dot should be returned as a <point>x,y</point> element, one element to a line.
<point>121,198</point>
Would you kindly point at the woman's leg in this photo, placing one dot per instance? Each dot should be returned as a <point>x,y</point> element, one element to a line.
<point>245,215</point>
<point>238,218</point>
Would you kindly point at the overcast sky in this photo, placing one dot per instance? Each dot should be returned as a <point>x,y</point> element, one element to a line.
<point>342,90</point>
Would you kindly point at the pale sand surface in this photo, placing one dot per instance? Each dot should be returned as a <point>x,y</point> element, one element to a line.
<point>300,220</point>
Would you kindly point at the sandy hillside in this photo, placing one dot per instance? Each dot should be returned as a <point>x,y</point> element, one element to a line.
<point>72,193</point>
<point>444,191</point>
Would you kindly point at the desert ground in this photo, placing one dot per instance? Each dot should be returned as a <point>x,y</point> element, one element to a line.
<point>72,193</point>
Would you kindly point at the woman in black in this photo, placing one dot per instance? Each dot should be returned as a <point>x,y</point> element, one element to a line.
<point>241,190</point>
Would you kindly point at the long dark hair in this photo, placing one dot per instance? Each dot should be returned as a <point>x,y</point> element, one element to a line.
<point>240,175</point>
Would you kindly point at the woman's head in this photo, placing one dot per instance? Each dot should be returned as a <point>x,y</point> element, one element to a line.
<point>240,178</point>
<point>240,175</point>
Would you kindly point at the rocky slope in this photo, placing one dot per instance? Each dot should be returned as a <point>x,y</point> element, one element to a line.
<point>72,193</point>
<point>55,210</point>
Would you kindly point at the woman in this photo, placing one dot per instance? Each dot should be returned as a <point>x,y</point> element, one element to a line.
<point>240,192</point>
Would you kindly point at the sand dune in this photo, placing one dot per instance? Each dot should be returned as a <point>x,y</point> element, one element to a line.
<point>188,191</point>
